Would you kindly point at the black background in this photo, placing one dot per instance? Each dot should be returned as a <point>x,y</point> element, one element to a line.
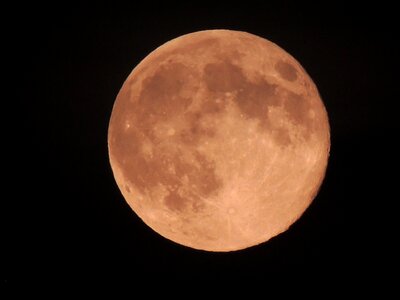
<point>72,61</point>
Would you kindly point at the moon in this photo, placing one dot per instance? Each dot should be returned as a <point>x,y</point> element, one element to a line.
<point>219,140</point>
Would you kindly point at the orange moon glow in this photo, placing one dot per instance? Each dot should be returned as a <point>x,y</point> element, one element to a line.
<point>219,140</point>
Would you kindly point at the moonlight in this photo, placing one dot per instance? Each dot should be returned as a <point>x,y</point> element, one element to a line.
<point>219,140</point>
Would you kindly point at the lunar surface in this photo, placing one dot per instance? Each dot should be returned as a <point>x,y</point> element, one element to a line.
<point>219,140</point>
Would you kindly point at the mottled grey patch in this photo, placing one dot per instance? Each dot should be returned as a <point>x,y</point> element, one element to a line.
<point>286,70</point>
<point>146,173</point>
<point>160,96</point>
<point>205,177</point>
<point>174,201</point>
<point>202,179</point>
<point>281,136</point>
<point>297,108</point>
<point>254,99</point>
<point>223,77</point>
<point>160,92</point>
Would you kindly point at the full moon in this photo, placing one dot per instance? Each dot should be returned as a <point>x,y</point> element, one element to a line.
<point>219,140</point>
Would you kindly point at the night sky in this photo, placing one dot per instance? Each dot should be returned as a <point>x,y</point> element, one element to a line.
<point>72,60</point>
